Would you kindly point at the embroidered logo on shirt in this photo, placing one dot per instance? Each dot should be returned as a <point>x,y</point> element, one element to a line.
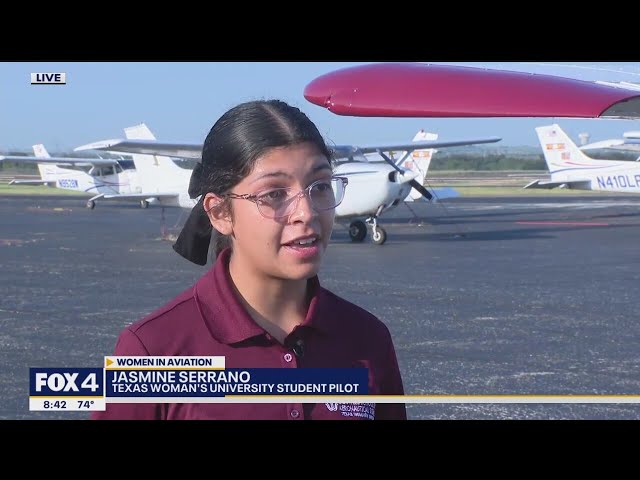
<point>364,410</point>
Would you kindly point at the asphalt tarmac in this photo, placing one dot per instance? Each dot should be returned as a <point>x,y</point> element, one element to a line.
<point>490,296</point>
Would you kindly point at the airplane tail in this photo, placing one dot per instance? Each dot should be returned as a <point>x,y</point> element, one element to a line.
<point>564,158</point>
<point>156,173</point>
<point>420,160</point>
<point>48,172</point>
<point>139,132</point>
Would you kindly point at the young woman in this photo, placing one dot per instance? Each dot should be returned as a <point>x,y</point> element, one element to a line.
<point>266,187</point>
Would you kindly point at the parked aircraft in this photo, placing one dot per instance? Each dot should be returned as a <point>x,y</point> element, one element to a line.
<point>629,143</point>
<point>374,187</point>
<point>105,176</point>
<point>571,168</point>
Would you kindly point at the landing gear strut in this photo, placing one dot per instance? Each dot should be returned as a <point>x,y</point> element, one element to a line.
<point>91,203</point>
<point>378,234</point>
<point>358,229</point>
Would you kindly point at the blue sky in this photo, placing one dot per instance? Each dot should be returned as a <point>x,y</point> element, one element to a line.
<point>181,101</point>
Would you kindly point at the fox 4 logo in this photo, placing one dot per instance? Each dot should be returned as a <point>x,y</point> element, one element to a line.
<point>66,381</point>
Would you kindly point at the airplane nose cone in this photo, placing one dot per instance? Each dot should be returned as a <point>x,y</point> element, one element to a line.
<point>403,177</point>
<point>408,176</point>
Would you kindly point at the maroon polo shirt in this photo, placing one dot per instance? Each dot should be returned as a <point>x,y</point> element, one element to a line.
<point>209,320</point>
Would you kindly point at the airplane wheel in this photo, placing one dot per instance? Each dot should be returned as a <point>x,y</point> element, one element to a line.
<point>144,204</point>
<point>91,204</point>
<point>357,231</point>
<point>379,236</point>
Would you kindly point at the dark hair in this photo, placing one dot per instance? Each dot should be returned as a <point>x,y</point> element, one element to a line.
<point>239,137</point>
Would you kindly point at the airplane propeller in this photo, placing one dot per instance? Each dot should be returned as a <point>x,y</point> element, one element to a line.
<point>414,183</point>
<point>425,193</point>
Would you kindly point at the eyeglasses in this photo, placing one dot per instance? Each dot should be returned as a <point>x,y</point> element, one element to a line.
<point>281,202</point>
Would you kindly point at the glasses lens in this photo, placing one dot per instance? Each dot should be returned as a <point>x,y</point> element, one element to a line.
<point>326,195</point>
<point>281,202</point>
<point>274,203</point>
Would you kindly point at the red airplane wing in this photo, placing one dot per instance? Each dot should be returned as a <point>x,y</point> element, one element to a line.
<point>425,90</point>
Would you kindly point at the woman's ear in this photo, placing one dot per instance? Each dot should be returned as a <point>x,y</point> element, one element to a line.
<point>218,214</point>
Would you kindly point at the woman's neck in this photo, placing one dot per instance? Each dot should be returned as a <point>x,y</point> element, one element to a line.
<point>275,304</point>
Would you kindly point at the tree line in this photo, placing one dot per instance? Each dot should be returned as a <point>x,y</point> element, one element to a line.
<point>441,161</point>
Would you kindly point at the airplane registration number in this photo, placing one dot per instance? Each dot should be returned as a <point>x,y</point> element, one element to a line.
<point>619,181</point>
<point>68,183</point>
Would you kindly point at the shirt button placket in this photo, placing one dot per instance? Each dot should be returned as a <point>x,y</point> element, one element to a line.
<point>294,413</point>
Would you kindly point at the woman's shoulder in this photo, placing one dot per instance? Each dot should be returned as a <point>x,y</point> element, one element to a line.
<point>162,318</point>
<point>164,331</point>
<point>349,314</point>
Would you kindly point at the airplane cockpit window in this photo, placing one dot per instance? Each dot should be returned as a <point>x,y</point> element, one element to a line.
<point>126,164</point>
<point>118,168</point>
<point>106,171</point>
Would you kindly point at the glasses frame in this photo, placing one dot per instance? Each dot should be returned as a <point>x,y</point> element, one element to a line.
<point>253,197</point>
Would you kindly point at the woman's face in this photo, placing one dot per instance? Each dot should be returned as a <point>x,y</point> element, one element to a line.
<point>290,247</point>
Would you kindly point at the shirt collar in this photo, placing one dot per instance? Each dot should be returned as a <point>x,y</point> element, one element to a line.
<point>227,319</point>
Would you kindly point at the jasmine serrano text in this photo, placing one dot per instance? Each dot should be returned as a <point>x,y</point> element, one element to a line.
<point>172,376</point>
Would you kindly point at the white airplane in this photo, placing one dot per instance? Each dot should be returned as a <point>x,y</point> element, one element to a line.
<point>630,143</point>
<point>417,161</point>
<point>570,167</point>
<point>374,187</point>
<point>106,176</point>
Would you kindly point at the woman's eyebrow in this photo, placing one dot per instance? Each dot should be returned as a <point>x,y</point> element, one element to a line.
<point>321,166</point>
<point>271,174</point>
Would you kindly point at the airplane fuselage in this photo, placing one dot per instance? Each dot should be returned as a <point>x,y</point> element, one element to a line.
<point>623,177</point>
<point>371,186</point>
<point>119,183</point>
